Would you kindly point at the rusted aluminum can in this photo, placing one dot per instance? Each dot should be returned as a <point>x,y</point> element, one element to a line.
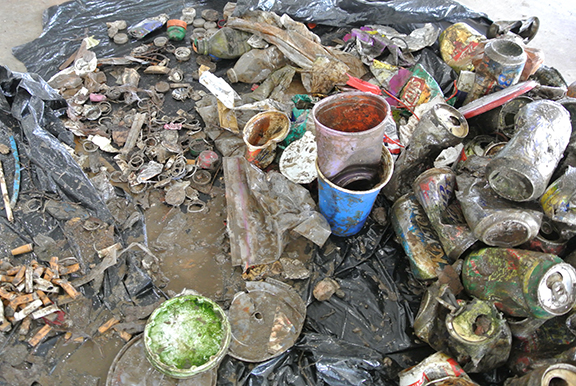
<point>522,169</point>
<point>440,127</point>
<point>458,45</point>
<point>521,283</point>
<point>474,333</point>
<point>559,200</point>
<point>557,374</point>
<point>434,189</point>
<point>437,367</point>
<point>350,130</point>
<point>418,238</point>
<point>479,335</point>
<point>501,67</point>
<point>549,336</point>
<point>494,220</point>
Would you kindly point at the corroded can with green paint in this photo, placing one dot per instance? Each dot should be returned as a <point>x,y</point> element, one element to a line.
<point>418,238</point>
<point>521,283</point>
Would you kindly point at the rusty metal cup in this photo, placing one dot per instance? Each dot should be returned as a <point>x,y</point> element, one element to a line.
<point>350,130</point>
<point>261,135</point>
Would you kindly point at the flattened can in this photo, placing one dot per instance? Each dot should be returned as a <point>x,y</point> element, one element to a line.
<point>521,283</point>
<point>418,238</point>
<point>522,169</point>
<point>438,366</point>
<point>458,45</point>
<point>434,189</point>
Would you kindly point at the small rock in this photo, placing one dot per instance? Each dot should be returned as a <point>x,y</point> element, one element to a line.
<point>325,289</point>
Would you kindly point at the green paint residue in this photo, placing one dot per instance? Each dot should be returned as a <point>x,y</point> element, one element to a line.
<point>186,334</point>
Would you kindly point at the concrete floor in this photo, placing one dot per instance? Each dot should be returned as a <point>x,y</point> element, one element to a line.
<point>21,22</point>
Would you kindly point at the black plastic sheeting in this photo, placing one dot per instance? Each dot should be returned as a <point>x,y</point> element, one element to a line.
<point>67,24</point>
<point>364,336</point>
<point>348,13</point>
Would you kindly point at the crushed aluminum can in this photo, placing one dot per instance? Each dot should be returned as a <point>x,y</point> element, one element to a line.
<point>458,45</point>
<point>543,336</point>
<point>522,169</point>
<point>548,240</point>
<point>556,374</point>
<point>559,200</point>
<point>494,220</point>
<point>435,190</point>
<point>521,283</point>
<point>440,127</point>
<point>436,367</point>
<point>418,238</point>
<point>473,332</point>
<point>501,67</point>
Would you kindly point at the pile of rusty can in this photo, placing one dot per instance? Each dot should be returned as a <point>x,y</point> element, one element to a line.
<point>491,235</point>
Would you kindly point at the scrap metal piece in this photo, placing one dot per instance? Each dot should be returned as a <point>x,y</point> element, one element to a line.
<point>266,320</point>
<point>134,133</point>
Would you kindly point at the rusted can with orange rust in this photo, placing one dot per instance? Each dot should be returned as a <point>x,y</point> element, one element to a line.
<point>521,283</point>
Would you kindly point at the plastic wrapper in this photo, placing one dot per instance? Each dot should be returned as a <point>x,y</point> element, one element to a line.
<point>262,208</point>
<point>358,12</point>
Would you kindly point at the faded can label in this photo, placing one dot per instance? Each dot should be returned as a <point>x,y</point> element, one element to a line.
<point>559,200</point>
<point>418,238</point>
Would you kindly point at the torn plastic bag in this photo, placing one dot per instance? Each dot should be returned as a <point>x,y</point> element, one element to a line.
<point>28,94</point>
<point>65,22</point>
<point>261,209</point>
<point>371,310</point>
<point>440,71</point>
<point>357,12</point>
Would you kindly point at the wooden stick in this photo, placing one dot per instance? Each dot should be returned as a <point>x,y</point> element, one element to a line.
<point>5,197</point>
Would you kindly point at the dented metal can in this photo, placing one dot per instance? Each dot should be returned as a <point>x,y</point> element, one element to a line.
<point>556,374</point>
<point>559,200</point>
<point>501,67</point>
<point>437,367</point>
<point>479,335</point>
<point>494,220</point>
<point>522,169</point>
<point>521,283</point>
<point>435,190</point>
<point>440,127</point>
<point>418,238</point>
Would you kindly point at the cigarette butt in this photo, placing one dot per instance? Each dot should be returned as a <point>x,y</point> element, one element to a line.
<point>124,335</point>
<point>31,307</point>
<point>22,299</point>
<point>19,276</point>
<point>14,270</point>
<point>45,311</point>
<point>68,335</point>
<point>25,326</point>
<point>54,265</point>
<point>67,287</point>
<point>106,326</point>
<point>38,271</point>
<point>7,295</point>
<point>5,327</point>
<point>41,334</point>
<point>22,249</point>
<point>63,299</point>
<point>66,270</point>
<point>42,296</point>
<point>78,339</point>
<point>6,278</point>
<point>49,274</point>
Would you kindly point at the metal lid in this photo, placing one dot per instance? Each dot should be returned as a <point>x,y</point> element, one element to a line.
<point>556,289</point>
<point>266,320</point>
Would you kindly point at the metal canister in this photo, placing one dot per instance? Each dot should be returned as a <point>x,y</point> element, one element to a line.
<point>501,67</point>
<point>458,45</point>
<point>434,189</point>
<point>479,335</point>
<point>418,238</point>
<point>550,336</point>
<point>522,169</point>
<point>350,130</point>
<point>548,240</point>
<point>557,374</point>
<point>559,200</point>
<point>440,127</point>
<point>437,367</point>
<point>521,283</point>
<point>494,220</point>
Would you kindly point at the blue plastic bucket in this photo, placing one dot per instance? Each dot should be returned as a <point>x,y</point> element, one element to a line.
<point>347,199</point>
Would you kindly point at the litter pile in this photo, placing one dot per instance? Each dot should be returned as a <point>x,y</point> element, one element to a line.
<point>222,194</point>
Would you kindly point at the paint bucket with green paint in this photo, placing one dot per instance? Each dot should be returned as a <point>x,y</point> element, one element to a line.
<point>187,335</point>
